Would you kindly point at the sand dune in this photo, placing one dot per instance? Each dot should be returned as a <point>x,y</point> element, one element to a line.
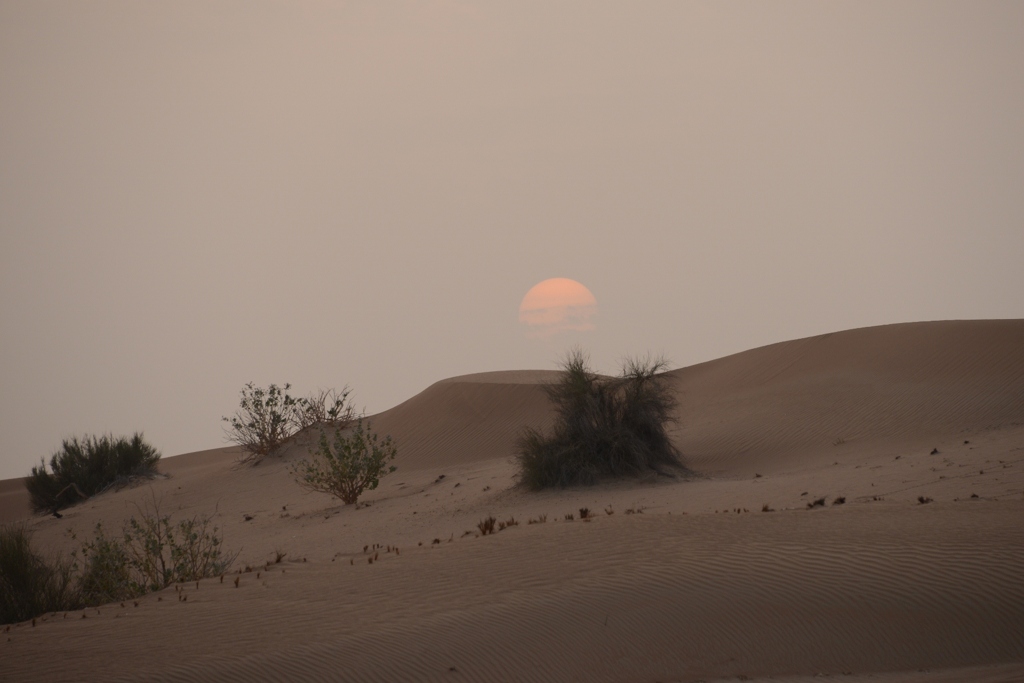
<point>696,584</point>
<point>782,405</point>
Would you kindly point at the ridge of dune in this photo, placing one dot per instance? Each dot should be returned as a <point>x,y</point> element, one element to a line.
<point>779,405</point>
<point>767,408</point>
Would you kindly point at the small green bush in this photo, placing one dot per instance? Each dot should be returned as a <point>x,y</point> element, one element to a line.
<point>268,418</point>
<point>604,426</point>
<point>30,585</point>
<point>353,463</point>
<point>83,468</point>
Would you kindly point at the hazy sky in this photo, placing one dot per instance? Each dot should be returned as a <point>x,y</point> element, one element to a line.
<point>194,195</point>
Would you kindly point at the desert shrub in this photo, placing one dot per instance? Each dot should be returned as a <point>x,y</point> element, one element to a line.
<point>265,419</point>
<point>350,463</point>
<point>604,426</point>
<point>29,584</point>
<point>106,576</point>
<point>325,407</point>
<point>268,418</point>
<point>83,468</point>
<point>151,553</point>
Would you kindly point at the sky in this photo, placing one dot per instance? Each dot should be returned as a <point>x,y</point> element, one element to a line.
<point>196,195</point>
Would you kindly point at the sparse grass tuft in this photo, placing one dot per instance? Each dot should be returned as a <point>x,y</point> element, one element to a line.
<point>510,522</point>
<point>83,468</point>
<point>486,526</point>
<point>604,426</point>
<point>584,513</point>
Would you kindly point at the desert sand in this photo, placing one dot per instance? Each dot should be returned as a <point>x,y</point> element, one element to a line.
<point>671,579</point>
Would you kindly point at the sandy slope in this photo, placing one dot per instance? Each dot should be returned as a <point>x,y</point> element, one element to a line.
<point>684,588</point>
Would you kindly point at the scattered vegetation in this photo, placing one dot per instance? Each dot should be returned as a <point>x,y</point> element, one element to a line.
<point>767,508</point>
<point>839,501</point>
<point>604,426</point>
<point>353,463</point>
<point>507,524</point>
<point>29,584</point>
<point>584,513</point>
<point>149,554</point>
<point>486,526</point>
<point>820,502</point>
<point>83,468</point>
<point>540,520</point>
<point>267,418</point>
<point>923,500</point>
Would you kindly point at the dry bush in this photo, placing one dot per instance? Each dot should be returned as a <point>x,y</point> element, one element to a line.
<point>604,426</point>
<point>486,526</point>
<point>267,418</point>
<point>326,408</point>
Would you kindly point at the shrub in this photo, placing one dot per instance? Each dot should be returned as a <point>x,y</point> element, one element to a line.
<point>264,421</point>
<point>29,585</point>
<point>353,463</point>
<point>151,553</point>
<point>604,426</point>
<point>325,408</point>
<point>268,418</point>
<point>82,469</point>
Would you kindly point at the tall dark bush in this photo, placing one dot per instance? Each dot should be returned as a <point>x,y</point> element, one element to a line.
<point>604,426</point>
<point>83,468</point>
<point>29,585</point>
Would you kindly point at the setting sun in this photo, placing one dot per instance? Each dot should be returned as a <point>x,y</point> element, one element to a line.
<point>557,304</point>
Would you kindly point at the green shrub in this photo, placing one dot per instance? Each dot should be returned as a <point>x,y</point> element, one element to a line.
<point>83,468</point>
<point>106,576</point>
<point>151,553</point>
<point>353,463</point>
<point>268,418</point>
<point>29,585</point>
<point>264,421</point>
<point>604,426</point>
